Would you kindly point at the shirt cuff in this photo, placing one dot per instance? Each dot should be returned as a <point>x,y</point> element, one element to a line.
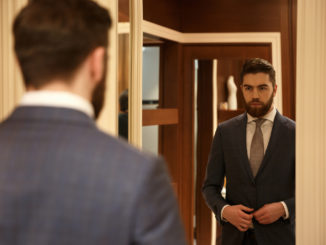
<point>222,218</point>
<point>286,216</point>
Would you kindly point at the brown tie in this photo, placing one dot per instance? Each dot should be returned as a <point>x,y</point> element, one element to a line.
<point>257,147</point>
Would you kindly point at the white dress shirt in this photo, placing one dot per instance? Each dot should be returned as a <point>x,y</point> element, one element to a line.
<point>266,129</point>
<point>57,99</point>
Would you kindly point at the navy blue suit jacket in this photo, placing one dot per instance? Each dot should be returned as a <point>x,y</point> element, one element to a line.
<point>63,181</point>
<point>274,182</point>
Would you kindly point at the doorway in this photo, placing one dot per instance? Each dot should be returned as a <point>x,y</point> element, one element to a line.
<point>230,59</point>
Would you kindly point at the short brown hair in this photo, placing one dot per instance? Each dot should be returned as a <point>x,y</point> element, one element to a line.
<point>256,65</point>
<point>52,38</point>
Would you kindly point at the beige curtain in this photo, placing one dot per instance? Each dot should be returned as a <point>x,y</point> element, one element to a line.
<point>11,85</point>
<point>311,124</point>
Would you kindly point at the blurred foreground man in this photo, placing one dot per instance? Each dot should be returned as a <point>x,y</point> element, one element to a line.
<point>256,153</point>
<point>62,180</point>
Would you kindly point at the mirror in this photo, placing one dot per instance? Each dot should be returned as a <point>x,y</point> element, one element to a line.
<point>230,32</point>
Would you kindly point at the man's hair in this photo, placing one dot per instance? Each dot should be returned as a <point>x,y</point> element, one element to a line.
<point>256,65</point>
<point>53,38</point>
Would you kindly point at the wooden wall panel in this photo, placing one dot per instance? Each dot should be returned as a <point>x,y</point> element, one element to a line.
<point>163,12</point>
<point>230,15</point>
<point>160,117</point>
<point>288,42</point>
<point>204,139</point>
<point>171,143</point>
<point>123,9</point>
<point>236,16</point>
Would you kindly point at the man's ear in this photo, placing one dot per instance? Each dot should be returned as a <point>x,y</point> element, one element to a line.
<point>97,64</point>
<point>274,90</point>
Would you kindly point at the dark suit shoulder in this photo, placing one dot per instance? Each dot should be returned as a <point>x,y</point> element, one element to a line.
<point>118,146</point>
<point>286,122</point>
<point>108,153</point>
<point>233,122</point>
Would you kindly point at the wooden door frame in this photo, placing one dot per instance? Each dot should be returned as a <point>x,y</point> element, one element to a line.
<point>190,53</point>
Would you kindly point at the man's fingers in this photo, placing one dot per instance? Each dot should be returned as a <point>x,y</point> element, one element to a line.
<point>245,225</point>
<point>264,221</point>
<point>238,215</point>
<point>246,209</point>
<point>259,213</point>
<point>246,216</point>
<point>242,228</point>
<point>246,222</point>
<point>260,218</point>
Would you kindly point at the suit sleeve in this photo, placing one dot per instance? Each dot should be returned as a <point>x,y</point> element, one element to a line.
<point>214,179</point>
<point>157,219</point>
<point>290,203</point>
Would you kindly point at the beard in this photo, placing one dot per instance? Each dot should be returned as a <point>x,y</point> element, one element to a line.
<point>98,95</point>
<point>98,98</point>
<point>259,111</point>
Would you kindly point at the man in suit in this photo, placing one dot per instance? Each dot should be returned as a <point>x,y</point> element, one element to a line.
<point>256,153</point>
<point>62,180</point>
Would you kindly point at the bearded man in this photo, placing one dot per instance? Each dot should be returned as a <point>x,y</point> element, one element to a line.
<point>63,181</point>
<point>256,153</point>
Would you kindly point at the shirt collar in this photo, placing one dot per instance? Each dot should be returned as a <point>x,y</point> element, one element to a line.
<point>57,99</point>
<point>270,116</point>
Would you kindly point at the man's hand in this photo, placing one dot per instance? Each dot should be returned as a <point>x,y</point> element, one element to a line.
<point>269,213</point>
<point>236,216</point>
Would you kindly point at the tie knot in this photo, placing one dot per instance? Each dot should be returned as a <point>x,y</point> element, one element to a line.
<point>259,122</point>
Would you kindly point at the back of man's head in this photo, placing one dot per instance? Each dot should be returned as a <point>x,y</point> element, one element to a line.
<point>53,38</point>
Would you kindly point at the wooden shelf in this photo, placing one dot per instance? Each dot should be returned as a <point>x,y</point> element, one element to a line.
<point>160,117</point>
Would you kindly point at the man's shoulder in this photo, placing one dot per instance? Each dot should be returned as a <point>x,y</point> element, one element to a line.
<point>233,122</point>
<point>286,122</point>
<point>73,136</point>
<point>119,149</point>
<point>123,163</point>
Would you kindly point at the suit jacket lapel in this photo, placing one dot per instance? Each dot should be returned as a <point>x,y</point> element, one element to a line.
<point>272,145</point>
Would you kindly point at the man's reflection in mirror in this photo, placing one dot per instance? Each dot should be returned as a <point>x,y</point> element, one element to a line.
<point>123,115</point>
